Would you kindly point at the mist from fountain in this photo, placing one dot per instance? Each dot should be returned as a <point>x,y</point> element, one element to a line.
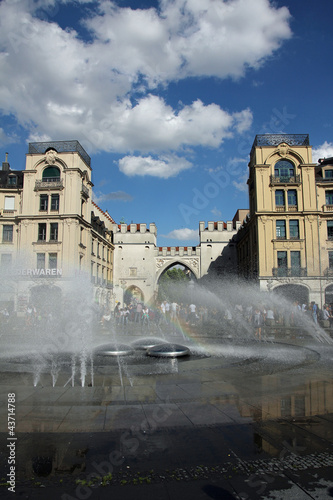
<point>67,335</point>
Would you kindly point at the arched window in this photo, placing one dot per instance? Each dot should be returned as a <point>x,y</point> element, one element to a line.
<point>51,174</point>
<point>284,168</point>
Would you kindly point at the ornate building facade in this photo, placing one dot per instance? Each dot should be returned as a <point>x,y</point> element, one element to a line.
<point>51,230</point>
<point>286,243</point>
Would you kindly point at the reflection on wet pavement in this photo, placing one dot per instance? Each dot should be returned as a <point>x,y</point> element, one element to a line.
<point>222,425</point>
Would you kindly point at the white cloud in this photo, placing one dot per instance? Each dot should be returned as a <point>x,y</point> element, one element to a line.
<point>6,138</point>
<point>100,197</point>
<point>182,234</point>
<point>216,212</point>
<point>164,167</point>
<point>58,85</point>
<point>236,168</point>
<point>323,151</point>
<point>241,184</point>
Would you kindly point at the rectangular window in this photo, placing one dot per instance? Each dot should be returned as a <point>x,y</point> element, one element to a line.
<point>9,202</point>
<point>92,247</point>
<point>43,202</point>
<point>133,271</point>
<point>329,197</point>
<point>55,202</point>
<point>292,198</point>
<point>328,174</point>
<point>282,263</point>
<point>42,231</point>
<point>41,261</point>
<point>330,260</point>
<point>285,407</point>
<point>281,229</point>
<point>295,262</point>
<point>54,231</point>
<point>279,198</point>
<point>53,258</point>
<point>294,229</point>
<point>300,406</point>
<point>12,180</point>
<point>330,229</point>
<point>7,233</point>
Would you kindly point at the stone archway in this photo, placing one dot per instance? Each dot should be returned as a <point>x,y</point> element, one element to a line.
<point>292,292</point>
<point>133,293</point>
<point>175,288</point>
<point>163,264</point>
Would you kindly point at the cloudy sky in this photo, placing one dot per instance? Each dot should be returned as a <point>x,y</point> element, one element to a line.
<point>165,96</point>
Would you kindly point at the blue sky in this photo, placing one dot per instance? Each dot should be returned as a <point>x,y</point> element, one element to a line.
<point>165,96</point>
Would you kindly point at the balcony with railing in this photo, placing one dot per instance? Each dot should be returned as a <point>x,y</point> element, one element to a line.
<point>285,179</point>
<point>324,180</point>
<point>328,272</point>
<point>49,183</point>
<point>290,272</point>
<point>99,281</point>
<point>280,208</point>
<point>327,208</point>
<point>85,191</point>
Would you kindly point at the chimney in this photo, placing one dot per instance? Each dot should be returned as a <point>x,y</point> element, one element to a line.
<point>5,164</point>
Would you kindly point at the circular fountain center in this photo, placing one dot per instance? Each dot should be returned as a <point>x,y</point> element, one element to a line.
<point>168,350</point>
<point>147,343</point>
<point>114,350</point>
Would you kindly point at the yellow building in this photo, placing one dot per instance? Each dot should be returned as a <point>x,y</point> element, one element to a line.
<point>286,243</point>
<point>51,230</point>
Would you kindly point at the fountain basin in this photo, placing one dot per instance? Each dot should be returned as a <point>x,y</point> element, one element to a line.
<point>168,350</point>
<point>147,343</point>
<point>114,350</point>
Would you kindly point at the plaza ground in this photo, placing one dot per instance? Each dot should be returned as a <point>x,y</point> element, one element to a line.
<point>253,421</point>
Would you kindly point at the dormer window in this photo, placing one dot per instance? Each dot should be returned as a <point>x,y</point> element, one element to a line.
<point>12,180</point>
<point>328,174</point>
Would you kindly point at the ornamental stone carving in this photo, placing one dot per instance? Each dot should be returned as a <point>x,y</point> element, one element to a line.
<point>193,262</point>
<point>160,263</point>
<point>50,156</point>
<point>283,149</point>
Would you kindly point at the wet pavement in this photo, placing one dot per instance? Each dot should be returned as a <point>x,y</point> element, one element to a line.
<point>252,421</point>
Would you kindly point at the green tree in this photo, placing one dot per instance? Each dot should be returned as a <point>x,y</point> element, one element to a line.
<point>172,285</point>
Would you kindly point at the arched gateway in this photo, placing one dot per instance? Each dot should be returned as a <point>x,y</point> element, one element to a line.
<point>139,262</point>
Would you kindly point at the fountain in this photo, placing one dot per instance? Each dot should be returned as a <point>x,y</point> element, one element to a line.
<point>114,350</point>
<point>68,339</point>
<point>167,350</point>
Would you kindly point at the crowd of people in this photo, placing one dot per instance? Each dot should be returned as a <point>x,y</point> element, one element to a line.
<point>223,315</point>
<point>258,316</point>
<point>165,313</point>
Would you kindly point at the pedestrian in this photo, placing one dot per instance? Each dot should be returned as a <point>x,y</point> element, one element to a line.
<point>257,322</point>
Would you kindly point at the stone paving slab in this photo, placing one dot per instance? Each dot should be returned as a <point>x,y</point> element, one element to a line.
<point>165,415</point>
<point>124,417</point>
<point>203,414</point>
<point>41,418</point>
<point>91,418</point>
<point>174,391</point>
